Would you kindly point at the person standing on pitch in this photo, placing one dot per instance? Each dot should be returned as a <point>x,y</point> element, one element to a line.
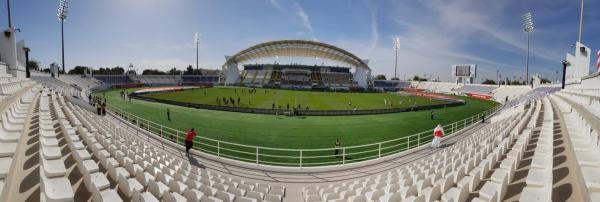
<point>438,133</point>
<point>168,114</point>
<point>188,141</point>
<point>337,148</point>
<point>431,114</point>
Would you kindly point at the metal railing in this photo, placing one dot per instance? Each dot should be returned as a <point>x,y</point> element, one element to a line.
<point>299,157</point>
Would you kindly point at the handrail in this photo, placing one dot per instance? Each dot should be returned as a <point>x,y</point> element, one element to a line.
<point>299,157</point>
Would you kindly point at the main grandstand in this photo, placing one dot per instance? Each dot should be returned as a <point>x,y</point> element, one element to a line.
<point>537,142</point>
<point>296,76</point>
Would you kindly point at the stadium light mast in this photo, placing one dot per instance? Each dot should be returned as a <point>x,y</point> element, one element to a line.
<point>527,28</point>
<point>197,43</point>
<point>580,22</point>
<point>62,16</point>
<point>396,41</point>
<point>498,77</point>
<point>8,12</point>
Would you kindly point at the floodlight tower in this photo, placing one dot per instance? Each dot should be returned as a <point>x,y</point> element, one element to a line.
<point>498,77</point>
<point>396,41</point>
<point>197,43</point>
<point>9,17</point>
<point>62,16</point>
<point>527,28</point>
<point>580,21</point>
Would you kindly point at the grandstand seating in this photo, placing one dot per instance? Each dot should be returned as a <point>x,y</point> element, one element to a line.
<point>112,164</point>
<point>158,80</point>
<point>336,79</point>
<point>80,156</point>
<point>391,85</point>
<point>79,80</point>
<point>191,79</point>
<point>114,79</point>
<point>256,77</point>
<point>583,126</point>
<point>476,88</point>
<point>512,92</point>
<point>437,87</point>
<point>449,174</point>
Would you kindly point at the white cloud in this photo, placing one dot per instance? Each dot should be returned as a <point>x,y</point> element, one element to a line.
<point>305,19</point>
<point>374,32</point>
<point>277,6</point>
<point>466,17</point>
<point>160,63</point>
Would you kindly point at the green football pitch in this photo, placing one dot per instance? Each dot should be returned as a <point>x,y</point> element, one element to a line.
<point>269,98</point>
<point>309,132</point>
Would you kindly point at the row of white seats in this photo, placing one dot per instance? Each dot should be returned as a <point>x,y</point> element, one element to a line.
<point>588,91</point>
<point>539,178</point>
<point>83,82</point>
<point>585,145</point>
<point>5,80</point>
<point>449,174</point>
<point>13,87</point>
<point>591,103</point>
<point>11,128</point>
<point>54,184</point>
<point>496,188</point>
<point>142,171</point>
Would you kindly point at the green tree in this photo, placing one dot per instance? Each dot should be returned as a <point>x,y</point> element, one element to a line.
<point>380,77</point>
<point>153,72</point>
<point>117,70</point>
<point>174,71</point>
<point>489,81</point>
<point>515,82</point>
<point>417,78</point>
<point>78,70</point>
<point>34,64</point>
<point>189,70</point>
<point>545,80</point>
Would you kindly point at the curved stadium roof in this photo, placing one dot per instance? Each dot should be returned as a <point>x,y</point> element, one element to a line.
<point>297,48</point>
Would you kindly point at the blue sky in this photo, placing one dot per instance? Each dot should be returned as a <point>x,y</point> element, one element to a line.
<point>434,33</point>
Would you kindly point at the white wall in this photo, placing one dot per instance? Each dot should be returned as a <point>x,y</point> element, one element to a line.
<point>582,61</point>
<point>231,73</point>
<point>8,53</point>
<point>360,76</point>
<point>570,71</point>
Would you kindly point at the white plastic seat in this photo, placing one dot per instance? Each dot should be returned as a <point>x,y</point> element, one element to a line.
<point>128,186</point>
<point>226,197</point>
<point>209,191</point>
<point>158,189</point>
<point>308,198</point>
<point>108,195</point>
<point>456,194</point>
<point>535,194</point>
<point>143,197</point>
<point>56,189</point>
<point>176,186</point>
<point>259,196</point>
<point>358,199</point>
<point>193,195</point>
<point>96,181</point>
<point>173,197</point>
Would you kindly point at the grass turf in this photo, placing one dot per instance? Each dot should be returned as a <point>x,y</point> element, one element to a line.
<point>267,98</point>
<point>297,132</point>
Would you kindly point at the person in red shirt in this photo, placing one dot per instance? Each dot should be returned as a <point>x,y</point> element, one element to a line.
<point>438,133</point>
<point>188,140</point>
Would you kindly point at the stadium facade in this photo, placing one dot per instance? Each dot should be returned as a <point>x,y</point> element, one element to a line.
<point>296,76</point>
